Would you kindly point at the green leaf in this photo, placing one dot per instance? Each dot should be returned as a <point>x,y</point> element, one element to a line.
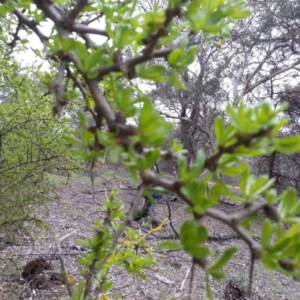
<point>216,274</point>
<point>106,286</point>
<point>146,116</point>
<point>219,130</point>
<point>106,138</point>
<point>292,251</point>
<point>261,185</point>
<point>247,222</point>
<point>224,259</point>
<point>231,165</point>
<point>154,72</point>
<point>214,4</point>
<point>82,119</point>
<point>183,166</point>
<point>288,145</point>
<point>251,186</point>
<point>148,160</point>
<point>294,230</point>
<point>155,19</point>
<point>246,183</point>
<point>151,157</point>
<point>214,19</point>
<point>153,128</point>
<point>233,118</point>
<point>227,191</point>
<point>7,7</point>
<point>193,6</point>
<point>198,251</point>
<point>72,140</point>
<point>196,191</point>
<point>197,167</point>
<point>267,231</point>
<point>189,56</point>
<point>114,153</point>
<point>288,203</point>
<point>174,56</point>
<point>209,292</point>
<point>281,244</point>
<point>169,246</point>
<point>214,195</point>
<point>87,137</point>
<point>270,262</point>
<point>196,19</point>
<point>192,234</point>
<point>97,58</point>
<point>271,196</point>
<point>123,35</point>
<point>134,173</point>
<point>241,14</point>
<point>176,82</point>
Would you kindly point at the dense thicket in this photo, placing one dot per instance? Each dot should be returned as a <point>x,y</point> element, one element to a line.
<point>32,145</point>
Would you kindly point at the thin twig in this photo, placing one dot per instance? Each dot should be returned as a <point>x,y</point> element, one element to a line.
<point>181,288</point>
<point>93,185</point>
<point>62,261</point>
<point>170,218</point>
<point>193,268</point>
<point>251,274</point>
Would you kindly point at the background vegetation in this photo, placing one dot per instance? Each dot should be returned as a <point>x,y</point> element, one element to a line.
<point>32,145</point>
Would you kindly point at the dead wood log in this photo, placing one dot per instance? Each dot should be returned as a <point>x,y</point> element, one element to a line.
<point>212,237</point>
<point>108,189</point>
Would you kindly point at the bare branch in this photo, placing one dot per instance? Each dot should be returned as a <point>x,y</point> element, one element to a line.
<point>230,221</point>
<point>84,29</point>
<point>52,11</point>
<point>30,24</point>
<point>58,88</point>
<point>131,63</point>
<point>250,88</point>
<point>102,107</point>
<point>79,6</point>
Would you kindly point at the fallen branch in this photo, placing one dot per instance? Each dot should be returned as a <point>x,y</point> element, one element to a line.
<point>212,237</point>
<point>45,254</point>
<point>225,237</point>
<point>229,203</point>
<point>164,279</point>
<point>105,190</point>
<point>179,291</point>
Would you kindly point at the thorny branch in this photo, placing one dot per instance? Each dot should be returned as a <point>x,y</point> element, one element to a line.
<point>31,25</point>
<point>79,6</point>
<point>232,221</point>
<point>66,23</point>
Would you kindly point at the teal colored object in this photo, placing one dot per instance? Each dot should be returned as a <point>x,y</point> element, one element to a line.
<point>152,204</point>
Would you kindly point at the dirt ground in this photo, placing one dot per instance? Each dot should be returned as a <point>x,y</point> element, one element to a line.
<point>76,211</point>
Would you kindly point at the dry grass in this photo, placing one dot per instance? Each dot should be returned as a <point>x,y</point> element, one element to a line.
<point>76,211</point>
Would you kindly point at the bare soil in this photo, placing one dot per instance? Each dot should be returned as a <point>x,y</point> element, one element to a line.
<point>76,211</point>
